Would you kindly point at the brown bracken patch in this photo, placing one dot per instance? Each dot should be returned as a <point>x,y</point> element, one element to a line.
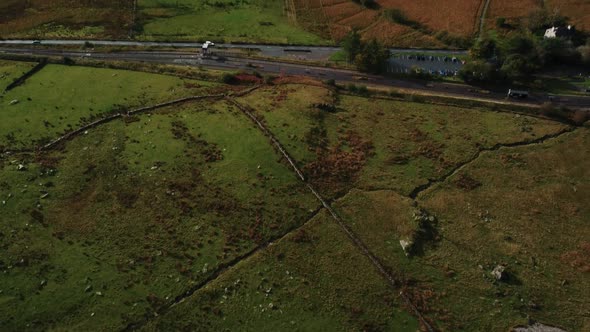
<point>578,259</point>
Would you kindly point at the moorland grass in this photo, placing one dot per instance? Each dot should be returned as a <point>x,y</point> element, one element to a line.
<point>529,213</point>
<point>407,143</point>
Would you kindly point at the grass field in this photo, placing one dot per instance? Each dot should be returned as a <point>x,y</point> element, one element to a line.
<point>11,70</point>
<point>118,232</point>
<point>313,279</point>
<point>247,21</point>
<point>529,213</point>
<point>385,144</point>
<point>59,98</point>
<point>66,19</point>
<point>187,218</point>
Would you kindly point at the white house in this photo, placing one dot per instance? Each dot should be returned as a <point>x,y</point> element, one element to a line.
<point>558,32</point>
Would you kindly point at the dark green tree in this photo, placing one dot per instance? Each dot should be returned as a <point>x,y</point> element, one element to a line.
<point>373,57</point>
<point>477,71</point>
<point>484,48</point>
<point>352,45</point>
<point>517,67</point>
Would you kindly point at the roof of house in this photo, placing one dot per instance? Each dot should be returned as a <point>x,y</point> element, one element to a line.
<point>559,31</point>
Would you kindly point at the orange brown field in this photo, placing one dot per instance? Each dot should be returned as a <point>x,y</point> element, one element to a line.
<point>340,16</point>
<point>458,17</point>
<point>578,11</point>
<point>66,18</point>
<point>513,11</point>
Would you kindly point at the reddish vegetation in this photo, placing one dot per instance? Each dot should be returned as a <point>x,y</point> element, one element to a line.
<point>578,11</point>
<point>578,259</point>
<point>297,80</point>
<point>114,15</point>
<point>466,182</point>
<point>248,78</point>
<point>336,166</point>
<point>455,16</point>
<point>511,9</point>
<point>337,17</point>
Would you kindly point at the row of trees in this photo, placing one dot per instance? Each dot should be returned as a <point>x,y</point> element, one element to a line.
<point>371,56</point>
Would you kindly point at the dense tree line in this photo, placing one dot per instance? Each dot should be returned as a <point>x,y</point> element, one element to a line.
<point>522,51</point>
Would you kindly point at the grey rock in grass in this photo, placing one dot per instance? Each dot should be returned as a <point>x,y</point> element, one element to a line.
<point>499,273</point>
<point>406,246</point>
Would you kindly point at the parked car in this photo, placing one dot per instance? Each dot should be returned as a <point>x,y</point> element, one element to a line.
<point>517,94</point>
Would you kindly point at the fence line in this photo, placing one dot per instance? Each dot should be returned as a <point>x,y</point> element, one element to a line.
<point>349,233</point>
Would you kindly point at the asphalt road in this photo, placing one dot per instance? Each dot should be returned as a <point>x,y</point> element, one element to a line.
<point>270,67</point>
<point>305,52</point>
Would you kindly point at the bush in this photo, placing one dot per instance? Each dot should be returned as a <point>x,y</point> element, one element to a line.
<point>69,61</point>
<point>228,78</point>
<point>270,79</point>
<point>362,90</point>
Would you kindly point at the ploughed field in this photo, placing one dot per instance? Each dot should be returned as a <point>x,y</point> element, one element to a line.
<point>187,217</point>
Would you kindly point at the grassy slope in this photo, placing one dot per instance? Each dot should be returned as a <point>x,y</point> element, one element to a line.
<point>138,235</point>
<point>251,21</point>
<point>11,70</point>
<point>311,280</point>
<point>58,97</point>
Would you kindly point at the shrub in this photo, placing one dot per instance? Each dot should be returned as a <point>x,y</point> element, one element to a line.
<point>228,78</point>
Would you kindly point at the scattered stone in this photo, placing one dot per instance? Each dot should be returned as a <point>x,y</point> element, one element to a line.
<point>98,293</point>
<point>21,167</point>
<point>14,102</point>
<point>499,272</point>
<point>406,246</point>
<point>45,195</point>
